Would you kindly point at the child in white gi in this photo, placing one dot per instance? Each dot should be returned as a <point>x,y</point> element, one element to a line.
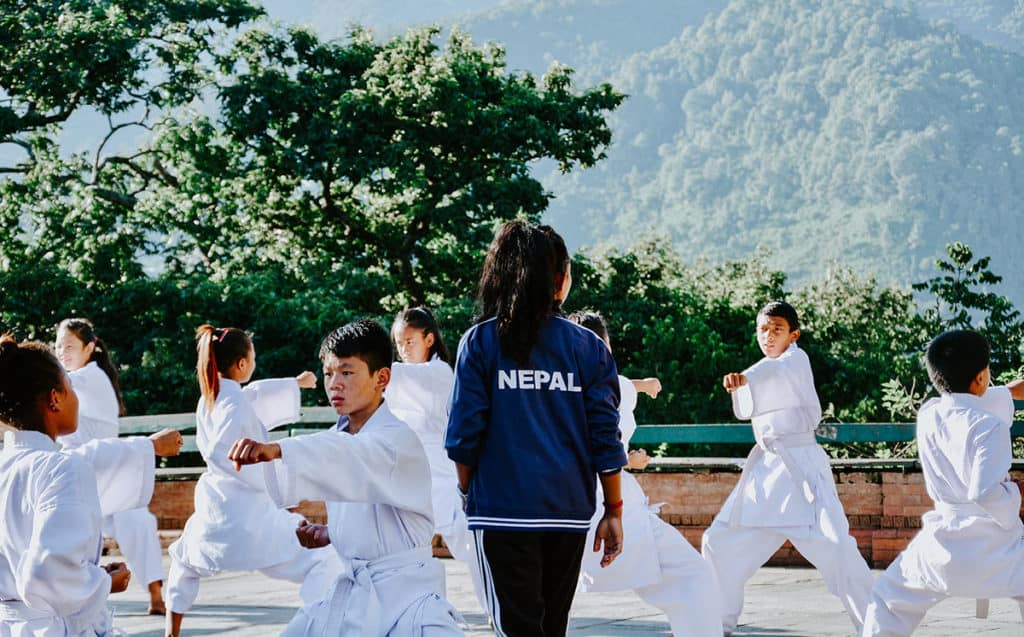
<point>418,394</point>
<point>972,543</point>
<point>237,526</point>
<point>786,490</point>
<point>94,376</point>
<point>657,561</point>
<point>51,582</point>
<point>374,476</point>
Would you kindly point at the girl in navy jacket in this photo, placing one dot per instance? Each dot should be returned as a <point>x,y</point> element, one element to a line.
<point>533,425</point>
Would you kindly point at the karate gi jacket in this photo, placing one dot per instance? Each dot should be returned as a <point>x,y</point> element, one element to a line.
<point>376,484</point>
<point>787,466</point>
<point>50,536</point>
<point>972,543</point>
<point>418,394</point>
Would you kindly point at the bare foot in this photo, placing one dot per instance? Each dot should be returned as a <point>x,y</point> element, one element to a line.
<point>156,599</point>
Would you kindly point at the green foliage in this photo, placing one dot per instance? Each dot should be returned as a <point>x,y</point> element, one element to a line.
<point>322,181</point>
<point>335,180</point>
<point>399,155</point>
<point>963,300</point>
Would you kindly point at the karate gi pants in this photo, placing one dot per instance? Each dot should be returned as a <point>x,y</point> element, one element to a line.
<point>315,569</point>
<point>686,591</point>
<point>735,554</point>
<point>460,543</point>
<point>897,607</point>
<point>135,532</point>
<point>529,579</point>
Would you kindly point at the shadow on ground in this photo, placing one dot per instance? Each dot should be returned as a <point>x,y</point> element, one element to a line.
<point>226,618</point>
<point>757,631</point>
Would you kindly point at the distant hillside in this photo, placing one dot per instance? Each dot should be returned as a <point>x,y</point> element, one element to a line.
<point>819,130</point>
<point>995,22</point>
<point>591,36</point>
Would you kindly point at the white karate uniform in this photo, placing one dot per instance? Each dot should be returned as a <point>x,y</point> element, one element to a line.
<point>786,491</point>
<point>236,525</point>
<point>419,395</point>
<point>656,560</point>
<point>972,543</point>
<point>377,487</point>
<point>135,529</point>
<point>50,538</point>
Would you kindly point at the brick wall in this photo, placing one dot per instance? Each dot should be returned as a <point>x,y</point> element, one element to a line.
<point>884,506</point>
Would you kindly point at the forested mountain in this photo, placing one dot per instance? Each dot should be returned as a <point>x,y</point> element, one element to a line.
<point>865,132</point>
<point>996,22</point>
<point>591,36</point>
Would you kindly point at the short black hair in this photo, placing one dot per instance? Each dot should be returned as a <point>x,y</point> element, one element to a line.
<point>591,320</point>
<point>28,372</point>
<point>955,358</point>
<point>365,339</point>
<point>782,310</point>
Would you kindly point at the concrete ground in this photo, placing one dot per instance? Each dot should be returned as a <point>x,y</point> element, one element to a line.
<point>781,602</point>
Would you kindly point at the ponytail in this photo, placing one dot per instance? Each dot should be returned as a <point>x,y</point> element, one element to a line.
<point>217,349</point>
<point>28,373</point>
<point>85,332</point>
<point>518,285</point>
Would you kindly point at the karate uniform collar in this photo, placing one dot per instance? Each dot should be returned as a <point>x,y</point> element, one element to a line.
<point>959,400</point>
<point>29,440</point>
<point>91,367</point>
<point>230,385</point>
<point>342,424</point>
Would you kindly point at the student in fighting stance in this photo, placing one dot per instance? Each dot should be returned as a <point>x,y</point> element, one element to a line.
<point>786,490</point>
<point>972,543</point>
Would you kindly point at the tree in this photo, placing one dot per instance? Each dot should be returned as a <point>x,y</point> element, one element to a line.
<point>396,157</point>
<point>122,63</point>
<point>961,301</point>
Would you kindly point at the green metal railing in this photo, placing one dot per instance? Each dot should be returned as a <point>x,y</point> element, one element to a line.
<point>319,418</point>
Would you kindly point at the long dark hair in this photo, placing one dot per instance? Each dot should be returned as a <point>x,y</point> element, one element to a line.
<point>517,286</point>
<point>28,372</point>
<point>560,254</point>
<point>85,332</point>
<point>217,349</point>
<point>423,319</point>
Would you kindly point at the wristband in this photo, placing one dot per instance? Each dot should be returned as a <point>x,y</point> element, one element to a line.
<point>613,505</point>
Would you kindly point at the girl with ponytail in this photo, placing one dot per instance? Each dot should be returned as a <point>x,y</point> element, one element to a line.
<point>94,376</point>
<point>236,525</point>
<point>533,425</point>
<point>51,582</point>
<point>418,394</point>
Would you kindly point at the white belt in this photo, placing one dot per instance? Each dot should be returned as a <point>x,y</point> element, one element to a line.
<point>950,509</point>
<point>355,603</point>
<point>15,610</point>
<point>779,445</point>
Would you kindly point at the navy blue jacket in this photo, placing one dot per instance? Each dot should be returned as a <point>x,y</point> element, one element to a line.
<point>537,436</point>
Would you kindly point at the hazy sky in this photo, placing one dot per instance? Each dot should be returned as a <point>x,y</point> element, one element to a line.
<point>330,18</point>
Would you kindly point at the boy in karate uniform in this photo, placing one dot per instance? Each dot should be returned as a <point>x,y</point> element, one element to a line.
<point>972,543</point>
<point>786,490</point>
<point>372,471</point>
